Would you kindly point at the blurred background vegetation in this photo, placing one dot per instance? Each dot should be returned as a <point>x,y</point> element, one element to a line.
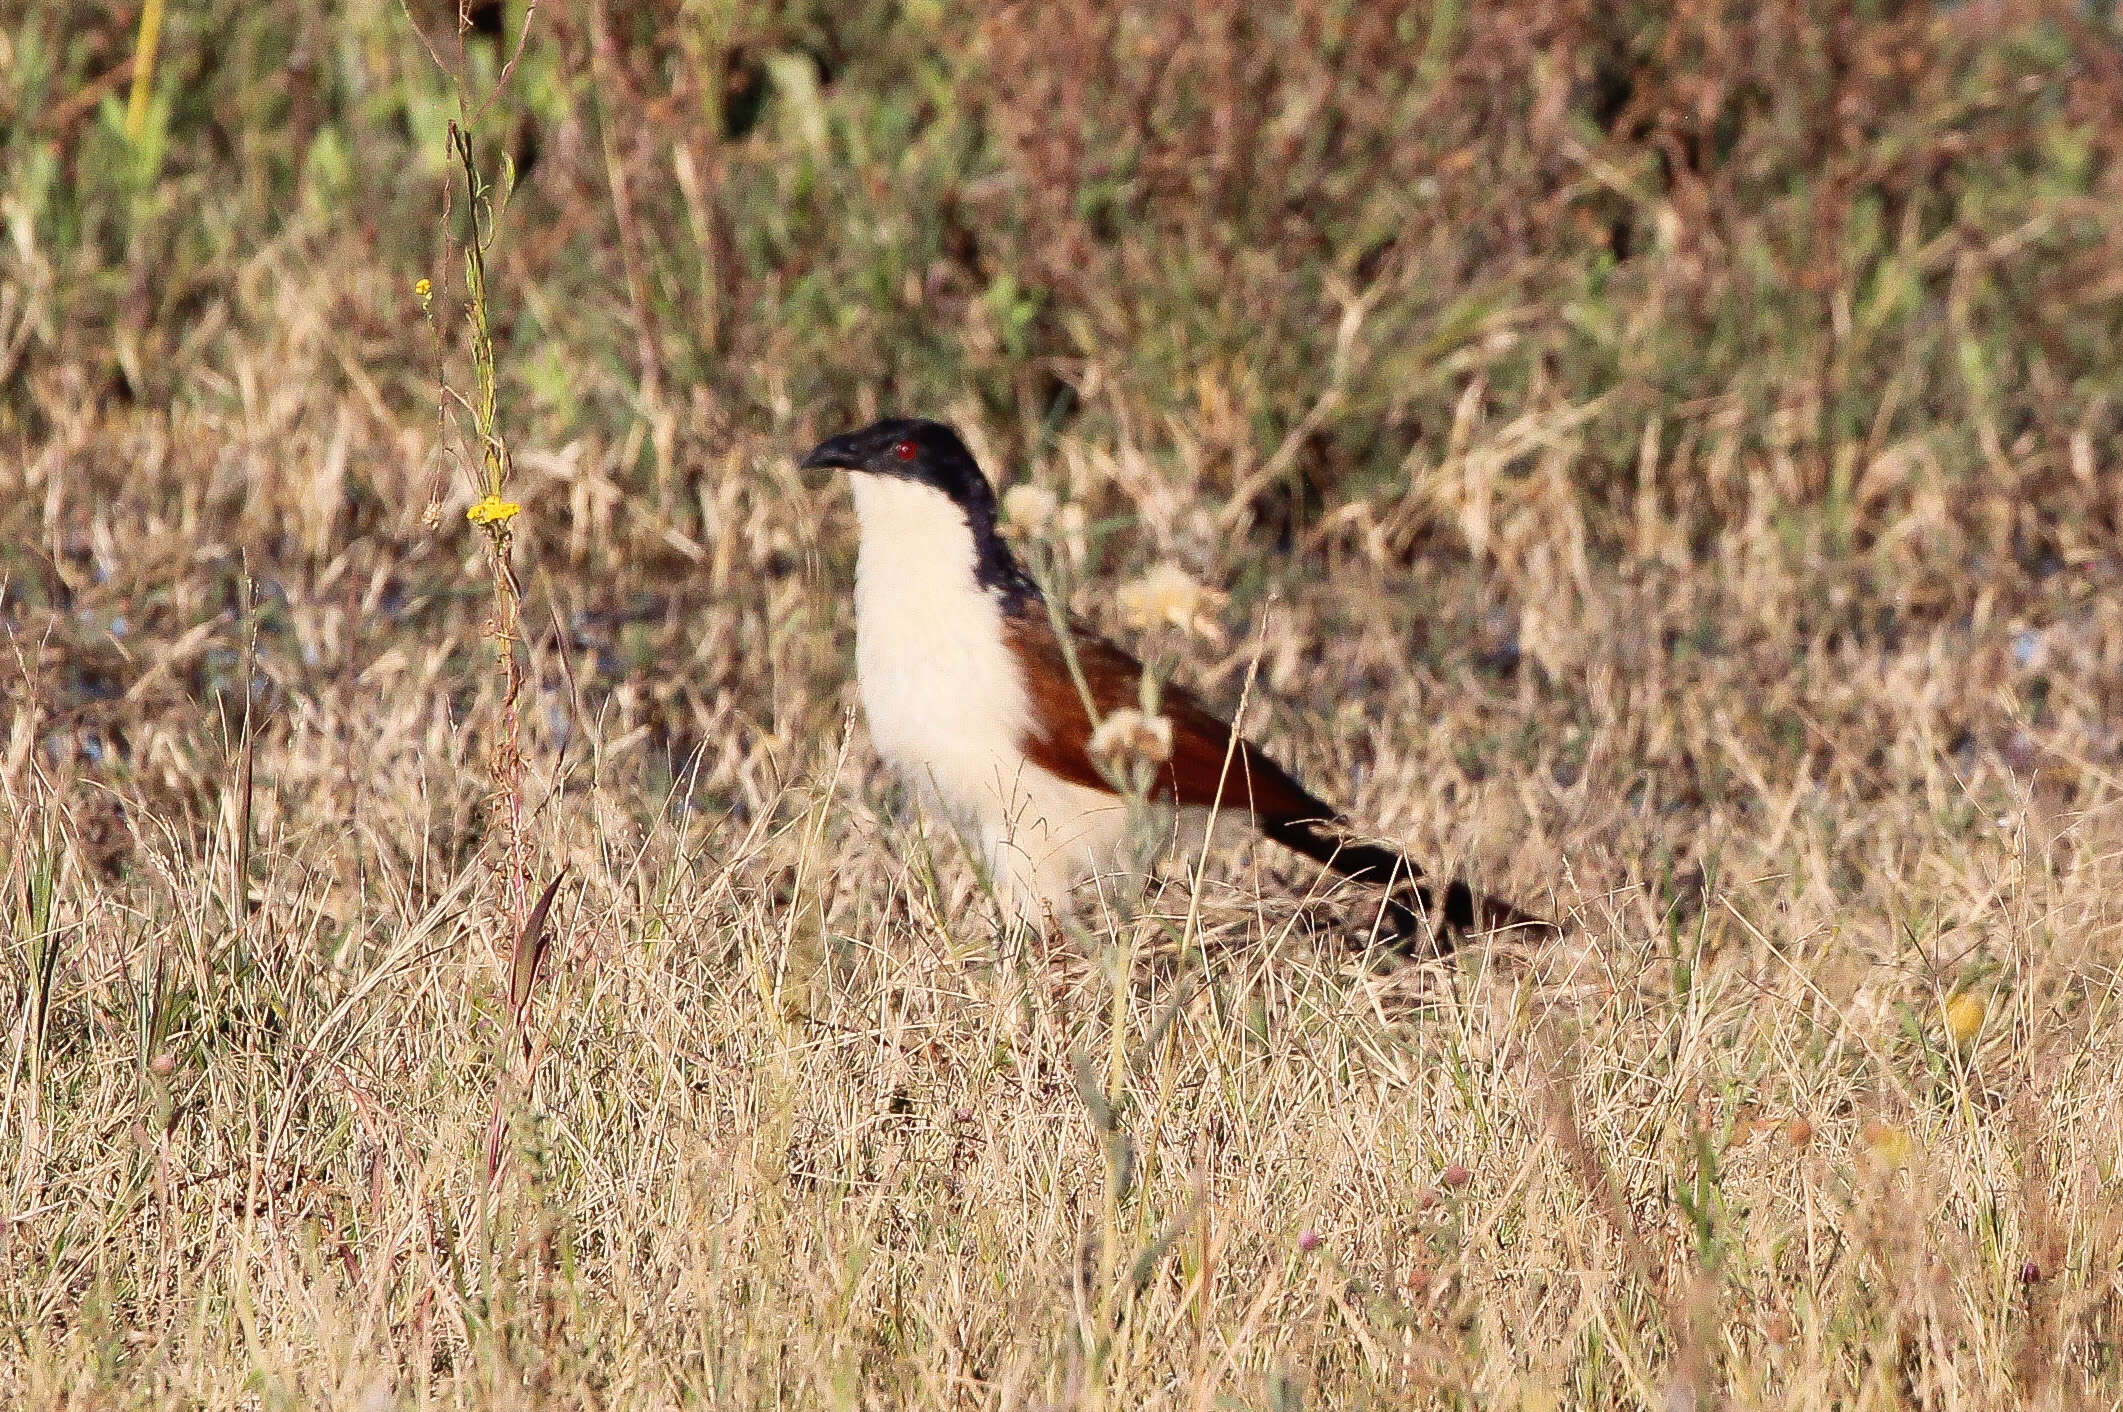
<point>1801,234</point>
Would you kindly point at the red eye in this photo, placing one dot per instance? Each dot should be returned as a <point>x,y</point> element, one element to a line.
<point>906,451</point>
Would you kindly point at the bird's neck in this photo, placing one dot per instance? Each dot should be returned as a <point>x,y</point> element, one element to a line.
<point>918,543</point>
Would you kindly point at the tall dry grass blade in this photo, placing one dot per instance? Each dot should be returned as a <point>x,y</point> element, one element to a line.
<point>150,39</point>
<point>532,946</point>
<point>40,879</point>
<point>240,864</point>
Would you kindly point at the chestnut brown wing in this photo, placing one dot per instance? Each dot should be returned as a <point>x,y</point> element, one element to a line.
<point>1204,769</point>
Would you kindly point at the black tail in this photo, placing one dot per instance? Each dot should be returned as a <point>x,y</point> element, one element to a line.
<point>1423,921</point>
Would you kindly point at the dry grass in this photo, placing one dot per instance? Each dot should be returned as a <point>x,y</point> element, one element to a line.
<point>1807,720</point>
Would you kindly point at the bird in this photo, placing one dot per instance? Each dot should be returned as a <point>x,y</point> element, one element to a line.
<point>986,702</point>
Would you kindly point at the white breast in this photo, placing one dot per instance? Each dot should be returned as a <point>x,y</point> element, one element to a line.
<point>947,705</point>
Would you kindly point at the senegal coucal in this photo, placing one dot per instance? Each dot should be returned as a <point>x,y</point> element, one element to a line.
<point>971,696</point>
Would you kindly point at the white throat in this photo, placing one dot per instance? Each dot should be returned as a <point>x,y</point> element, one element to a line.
<point>916,548</point>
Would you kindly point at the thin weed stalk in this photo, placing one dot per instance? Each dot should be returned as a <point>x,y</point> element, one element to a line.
<point>490,469</point>
<point>246,764</point>
<point>492,513</point>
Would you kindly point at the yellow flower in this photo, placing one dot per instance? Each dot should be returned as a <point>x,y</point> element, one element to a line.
<point>425,291</point>
<point>1965,1014</point>
<point>1169,594</point>
<point>493,511</point>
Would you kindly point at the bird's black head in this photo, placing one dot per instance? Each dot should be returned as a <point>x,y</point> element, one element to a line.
<point>928,452</point>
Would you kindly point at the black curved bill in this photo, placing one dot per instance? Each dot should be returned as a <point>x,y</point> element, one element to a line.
<point>842,452</point>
